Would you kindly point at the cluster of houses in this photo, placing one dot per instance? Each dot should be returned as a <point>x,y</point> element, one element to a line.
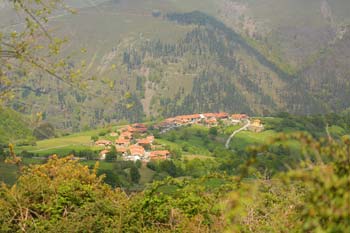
<point>209,120</point>
<point>134,143</point>
<point>133,148</point>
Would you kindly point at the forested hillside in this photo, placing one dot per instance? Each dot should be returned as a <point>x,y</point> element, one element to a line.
<point>155,58</point>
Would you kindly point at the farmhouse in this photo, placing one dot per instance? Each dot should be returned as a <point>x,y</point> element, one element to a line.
<point>122,142</point>
<point>136,150</point>
<point>159,155</point>
<point>256,126</point>
<point>103,143</point>
<point>103,154</point>
<point>221,115</point>
<point>144,142</point>
<point>126,135</point>
<point>122,150</point>
<point>239,117</point>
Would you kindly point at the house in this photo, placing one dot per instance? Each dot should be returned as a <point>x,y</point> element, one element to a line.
<point>144,142</point>
<point>209,115</point>
<point>136,150</point>
<point>150,138</point>
<point>122,150</point>
<point>256,126</point>
<point>132,158</point>
<point>126,135</point>
<point>221,115</point>
<point>137,128</point>
<point>103,143</point>
<point>103,154</point>
<point>122,142</point>
<point>239,117</point>
<point>159,155</point>
<point>211,122</point>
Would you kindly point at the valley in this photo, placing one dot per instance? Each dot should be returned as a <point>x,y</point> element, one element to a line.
<point>174,116</point>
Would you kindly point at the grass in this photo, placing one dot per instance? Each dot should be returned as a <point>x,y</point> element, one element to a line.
<point>146,174</point>
<point>247,138</point>
<point>194,140</point>
<point>64,145</point>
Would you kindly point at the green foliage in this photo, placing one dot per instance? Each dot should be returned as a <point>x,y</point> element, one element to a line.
<point>112,155</point>
<point>213,131</point>
<point>314,197</point>
<point>94,138</point>
<point>44,131</point>
<point>135,174</point>
<point>14,128</point>
<point>62,196</point>
<point>66,196</point>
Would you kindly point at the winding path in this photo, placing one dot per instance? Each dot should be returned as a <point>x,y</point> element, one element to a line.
<point>227,145</point>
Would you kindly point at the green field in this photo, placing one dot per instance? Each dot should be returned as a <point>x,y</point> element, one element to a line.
<point>64,145</point>
<point>246,138</point>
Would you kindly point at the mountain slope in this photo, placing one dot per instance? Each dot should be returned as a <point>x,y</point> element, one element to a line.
<point>258,57</point>
<point>328,78</point>
<point>14,128</point>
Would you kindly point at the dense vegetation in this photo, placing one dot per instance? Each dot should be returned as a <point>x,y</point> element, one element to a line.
<point>14,128</point>
<point>64,196</point>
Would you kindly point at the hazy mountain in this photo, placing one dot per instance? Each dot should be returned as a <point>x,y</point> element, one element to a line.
<point>259,57</point>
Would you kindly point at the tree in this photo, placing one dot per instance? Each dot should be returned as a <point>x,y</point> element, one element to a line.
<point>44,131</point>
<point>32,48</point>
<point>213,131</point>
<point>169,167</point>
<point>112,155</point>
<point>135,174</point>
<point>94,138</point>
<point>60,196</point>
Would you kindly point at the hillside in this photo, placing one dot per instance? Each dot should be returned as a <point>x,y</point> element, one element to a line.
<point>245,56</point>
<point>14,128</point>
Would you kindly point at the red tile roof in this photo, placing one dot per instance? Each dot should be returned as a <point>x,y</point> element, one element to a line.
<point>239,116</point>
<point>159,155</point>
<point>209,115</point>
<point>136,150</point>
<point>122,141</point>
<point>144,141</point>
<point>126,135</point>
<point>151,138</point>
<point>121,149</point>
<point>103,142</point>
<point>221,115</point>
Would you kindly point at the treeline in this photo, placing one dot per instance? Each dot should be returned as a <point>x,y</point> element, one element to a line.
<point>337,125</point>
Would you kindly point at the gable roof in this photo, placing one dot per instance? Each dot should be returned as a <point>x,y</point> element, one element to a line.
<point>137,150</point>
<point>144,141</point>
<point>103,142</point>
<point>122,141</point>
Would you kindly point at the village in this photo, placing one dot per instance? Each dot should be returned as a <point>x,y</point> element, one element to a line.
<point>135,142</point>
